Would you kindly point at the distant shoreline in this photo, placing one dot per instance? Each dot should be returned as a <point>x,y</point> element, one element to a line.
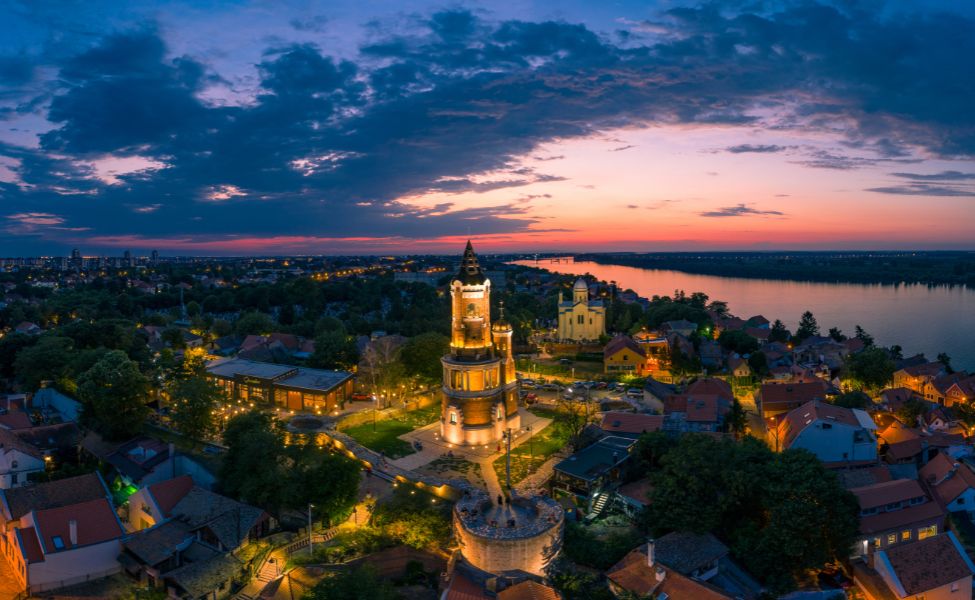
<point>935,269</point>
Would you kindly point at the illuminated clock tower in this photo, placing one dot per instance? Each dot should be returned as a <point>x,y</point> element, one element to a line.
<point>480,392</point>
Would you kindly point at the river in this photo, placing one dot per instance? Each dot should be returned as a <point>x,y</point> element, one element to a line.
<point>917,317</point>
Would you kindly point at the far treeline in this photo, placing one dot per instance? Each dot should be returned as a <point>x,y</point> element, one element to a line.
<point>934,268</point>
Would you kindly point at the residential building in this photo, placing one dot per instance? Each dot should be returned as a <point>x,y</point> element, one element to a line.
<point>711,354</point>
<point>918,378</point>
<point>630,425</point>
<point>961,392</point>
<point>641,574</point>
<point>695,412</point>
<point>624,355</point>
<point>682,327</point>
<point>60,533</point>
<point>937,568</point>
<point>896,512</point>
<point>773,399</point>
<point>837,436</point>
<point>581,319</point>
<point>248,382</point>
<point>18,459</point>
<point>951,483</point>
<point>53,403</point>
<point>595,469</point>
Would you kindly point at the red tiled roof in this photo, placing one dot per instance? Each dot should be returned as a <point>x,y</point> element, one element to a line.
<point>888,492</point>
<point>96,521</point>
<point>30,546</point>
<point>903,518</point>
<point>930,369</point>
<point>15,420</point>
<point>462,588</point>
<point>620,342</point>
<point>928,564</point>
<point>710,385</point>
<point>946,478</point>
<point>799,418</point>
<point>633,574</point>
<point>621,422</point>
<point>702,408</point>
<point>780,395</point>
<point>528,590</point>
<point>167,494</point>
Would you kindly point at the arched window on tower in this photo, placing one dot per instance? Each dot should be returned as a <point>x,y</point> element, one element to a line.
<point>453,418</point>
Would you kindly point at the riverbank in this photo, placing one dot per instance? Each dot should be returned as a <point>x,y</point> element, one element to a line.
<point>894,268</point>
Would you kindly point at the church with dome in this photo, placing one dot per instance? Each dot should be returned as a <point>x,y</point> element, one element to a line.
<point>581,319</point>
<point>480,390</point>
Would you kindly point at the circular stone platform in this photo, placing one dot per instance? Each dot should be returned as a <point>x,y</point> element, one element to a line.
<point>525,534</point>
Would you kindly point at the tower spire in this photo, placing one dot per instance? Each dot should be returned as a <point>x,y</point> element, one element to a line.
<point>470,269</point>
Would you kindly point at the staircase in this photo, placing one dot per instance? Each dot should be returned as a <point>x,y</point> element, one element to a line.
<point>270,571</point>
<point>602,499</point>
<point>317,538</point>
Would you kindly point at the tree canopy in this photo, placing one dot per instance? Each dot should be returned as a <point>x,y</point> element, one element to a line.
<point>113,394</point>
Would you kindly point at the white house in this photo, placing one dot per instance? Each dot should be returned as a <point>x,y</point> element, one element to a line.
<point>953,483</point>
<point>55,547</point>
<point>17,460</point>
<point>833,433</point>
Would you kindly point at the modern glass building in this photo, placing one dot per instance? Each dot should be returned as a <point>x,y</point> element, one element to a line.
<point>285,386</point>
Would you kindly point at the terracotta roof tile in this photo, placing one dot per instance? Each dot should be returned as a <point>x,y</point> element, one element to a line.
<point>168,493</point>
<point>632,423</point>
<point>946,478</point>
<point>17,502</point>
<point>96,521</point>
<point>528,590</point>
<point>928,564</point>
<point>29,545</point>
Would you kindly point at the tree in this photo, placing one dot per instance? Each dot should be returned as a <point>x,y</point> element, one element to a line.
<point>334,349</point>
<point>854,399</point>
<point>871,368</point>
<point>353,584</point>
<point>719,307</point>
<point>255,465</point>
<point>836,334</point>
<point>193,399</point>
<point>49,358</point>
<point>573,416</point>
<point>808,326</point>
<point>254,323</point>
<point>910,411</point>
<point>863,336</point>
<point>778,332</point>
<point>758,363</point>
<point>414,520</point>
<point>113,393</point>
<point>736,420</point>
<point>944,359</point>
<point>422,354</point>
<point>329,481</point>
<point>381,365</point>
<point>737,341</point>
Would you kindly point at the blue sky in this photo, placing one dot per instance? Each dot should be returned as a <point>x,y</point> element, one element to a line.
<point>344,127</point>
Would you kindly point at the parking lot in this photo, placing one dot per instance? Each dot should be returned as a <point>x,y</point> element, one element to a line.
<point>533,390</point>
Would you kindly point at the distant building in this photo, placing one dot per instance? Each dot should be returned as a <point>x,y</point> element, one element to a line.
<point>836,435</point>
<point>774,399</point>
<point>594,471</point>
<point>581,319</point>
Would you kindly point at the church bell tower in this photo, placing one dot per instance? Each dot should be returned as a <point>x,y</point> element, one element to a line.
<point>480,391</point>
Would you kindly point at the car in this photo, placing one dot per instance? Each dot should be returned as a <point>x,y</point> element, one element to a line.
<point>528,384</point>
<point>530,397</point>
<point>554,387</point>
<point>634,393</point>
<point>565,361</point>
<point>360,397</point>
<point>602,385</point>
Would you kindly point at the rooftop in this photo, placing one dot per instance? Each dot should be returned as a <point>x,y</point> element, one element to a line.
<point>592,461</point>
<point>523,517</point>
<point>927,564</point>
<point>17,502</point>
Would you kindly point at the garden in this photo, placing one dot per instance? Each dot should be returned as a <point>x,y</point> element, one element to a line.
<point>383,435</point>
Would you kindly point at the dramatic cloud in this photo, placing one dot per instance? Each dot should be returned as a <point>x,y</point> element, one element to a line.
<point>452,103</point>
<point>759,148</point>
<point>740,210</point>
<point>942,176</point>
<point>923,189</point>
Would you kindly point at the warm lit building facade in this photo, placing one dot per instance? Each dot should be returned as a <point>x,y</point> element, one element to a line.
<point>580,318</point>
<point>480,391</point>
<point>292,388</point>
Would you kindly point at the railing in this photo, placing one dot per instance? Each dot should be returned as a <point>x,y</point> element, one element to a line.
<point>316,538</point>
<point>55,585</point>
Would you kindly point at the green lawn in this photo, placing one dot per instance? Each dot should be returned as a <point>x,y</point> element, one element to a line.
<point>528,456</point>
<point>383,436</point>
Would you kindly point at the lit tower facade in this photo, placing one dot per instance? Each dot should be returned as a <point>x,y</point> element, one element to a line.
<point>480,392</point>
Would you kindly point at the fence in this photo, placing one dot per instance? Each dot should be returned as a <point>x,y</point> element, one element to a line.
<point>317,538</point>
<point>56,585</point>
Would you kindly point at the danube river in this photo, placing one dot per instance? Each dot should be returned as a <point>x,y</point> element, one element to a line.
<point>917,317</point>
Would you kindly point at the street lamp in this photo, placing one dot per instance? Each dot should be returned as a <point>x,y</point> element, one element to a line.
<point>310,506</point>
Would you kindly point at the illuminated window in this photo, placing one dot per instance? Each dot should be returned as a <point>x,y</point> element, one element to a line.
<point>906,534</point>
<point>581,320</point>
<point>876,542</point>
<point>891,539</point>
<point>926,532</point>
<point>453,418</point>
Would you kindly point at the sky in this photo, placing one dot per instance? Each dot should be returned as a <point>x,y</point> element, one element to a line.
<point>355,127</point>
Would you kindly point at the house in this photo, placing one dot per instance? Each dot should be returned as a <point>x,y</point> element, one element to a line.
<point>220,522</point>
<point>710,354</point>
<point>624,355</point>
<point>145,460</point>
<point>52,402</point>
<point>738,366</point>
<point>594,469</point>
<point>18,459</point>
<point>774,399</point>
<point>712,386</point>
<point>633,497</point>
<point>836,435</point>
<point>51,547</point>
<point>681,326</point>
<point>640,574</point>
<point>917,378</point>
<point>950,482</point>
<point>935,568</point>
<point>961,392</point>
<point>690,554</point>
<point>28,328</point>
<point>630,425</point>
<point>655,392</point>
<point>935,420</point>
<point>900,444</point>
<point>698,412</point>
<point>896,512</point>
<point>893,399</point>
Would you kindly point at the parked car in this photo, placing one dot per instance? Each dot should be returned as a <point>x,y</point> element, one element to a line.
<point>551,387</point>
<point>360,397</point>
<point>528,384</point>
<point>602,385</point>
<point>530,397</point>
<point>634,393</point>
